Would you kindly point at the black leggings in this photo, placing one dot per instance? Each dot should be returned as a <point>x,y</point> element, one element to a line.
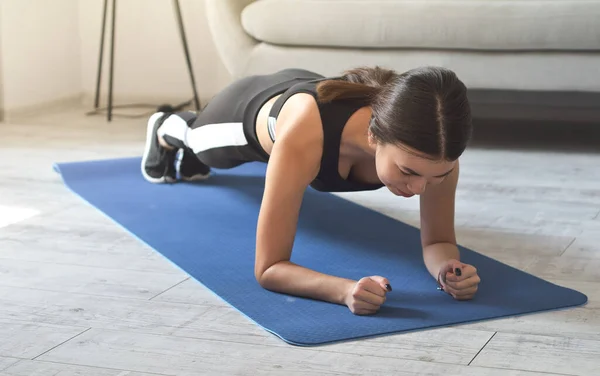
<point>223,135</point>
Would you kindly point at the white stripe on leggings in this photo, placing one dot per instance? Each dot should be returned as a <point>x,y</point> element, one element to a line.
<point>205,137</point>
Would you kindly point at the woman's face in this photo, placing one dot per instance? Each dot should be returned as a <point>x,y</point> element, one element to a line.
<point>406,174</point>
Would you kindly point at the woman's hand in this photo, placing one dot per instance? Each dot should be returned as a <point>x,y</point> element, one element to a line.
<point>458,279</point>
<point>367,295</point>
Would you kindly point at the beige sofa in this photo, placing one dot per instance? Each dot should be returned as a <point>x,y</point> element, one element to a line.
<point>523,58</point>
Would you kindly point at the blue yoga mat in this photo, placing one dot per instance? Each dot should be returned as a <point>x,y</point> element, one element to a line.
<point>208,229</point>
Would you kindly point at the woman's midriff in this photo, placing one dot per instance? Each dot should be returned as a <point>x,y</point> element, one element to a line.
<point>261,125</point>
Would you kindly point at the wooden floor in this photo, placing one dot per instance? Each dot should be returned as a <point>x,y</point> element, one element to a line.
<point>79,296</point>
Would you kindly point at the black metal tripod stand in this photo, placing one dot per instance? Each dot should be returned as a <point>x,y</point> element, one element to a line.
<point>112,56</point>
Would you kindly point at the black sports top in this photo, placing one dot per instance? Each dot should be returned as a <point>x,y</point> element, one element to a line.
<point>334,116</point>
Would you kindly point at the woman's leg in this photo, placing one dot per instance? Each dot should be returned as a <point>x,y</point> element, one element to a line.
<point>221,136</point>
<point>216,137</point>
<point>190,167</point>
<point>204,144</point>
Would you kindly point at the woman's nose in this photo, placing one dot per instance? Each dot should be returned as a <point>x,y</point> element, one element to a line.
<point>417,186</point>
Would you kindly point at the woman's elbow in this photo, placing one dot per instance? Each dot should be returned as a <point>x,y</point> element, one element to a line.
<point>259,276</point>
<point>261,273</point>
<point>266,276</point>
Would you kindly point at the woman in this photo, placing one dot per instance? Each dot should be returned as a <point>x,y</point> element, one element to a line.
<point>369,128</point>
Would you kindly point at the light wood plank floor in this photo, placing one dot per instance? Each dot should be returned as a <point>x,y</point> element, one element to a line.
<point>79,296</point>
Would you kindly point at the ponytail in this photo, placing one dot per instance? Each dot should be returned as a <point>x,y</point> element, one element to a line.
<point>360,83</point>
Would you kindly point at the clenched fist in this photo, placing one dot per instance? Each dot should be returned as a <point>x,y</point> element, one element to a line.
<point>367,295</point>
<point>459,280</point>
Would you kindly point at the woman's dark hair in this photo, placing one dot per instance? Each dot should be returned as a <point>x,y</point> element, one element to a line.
<point>424,108</point>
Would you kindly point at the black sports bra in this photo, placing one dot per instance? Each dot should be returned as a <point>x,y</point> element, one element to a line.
<point>334,116</point>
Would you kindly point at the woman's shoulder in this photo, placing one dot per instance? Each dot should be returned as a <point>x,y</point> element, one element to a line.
<point>299,118</point>
<point>298,146</point>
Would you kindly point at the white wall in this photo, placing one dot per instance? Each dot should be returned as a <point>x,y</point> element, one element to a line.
<point>40,53</point>
<point>149,59</point>
<point>1,66</point>
<point>49,53</point>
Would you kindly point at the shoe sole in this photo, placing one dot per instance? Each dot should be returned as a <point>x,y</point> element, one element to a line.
<point>149,140</point>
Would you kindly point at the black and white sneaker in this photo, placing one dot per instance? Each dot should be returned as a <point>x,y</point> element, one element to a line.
<point>191,169</point>
<point>158,163</point>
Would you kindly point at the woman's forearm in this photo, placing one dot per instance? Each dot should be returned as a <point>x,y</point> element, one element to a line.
<point>289,278</point>
<point>435,255</point>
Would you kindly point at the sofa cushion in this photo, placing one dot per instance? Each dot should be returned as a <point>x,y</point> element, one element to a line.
<point>445,24</point>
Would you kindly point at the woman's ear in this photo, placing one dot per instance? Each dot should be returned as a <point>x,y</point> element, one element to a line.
<point>372,141</point>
